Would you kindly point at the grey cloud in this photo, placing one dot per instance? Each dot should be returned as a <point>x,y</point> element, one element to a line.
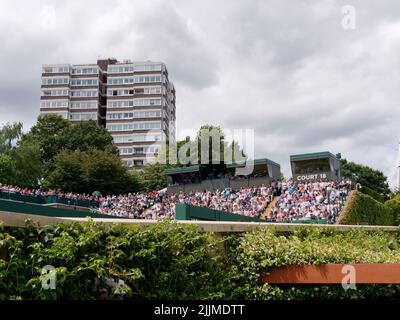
<point>285,68</point>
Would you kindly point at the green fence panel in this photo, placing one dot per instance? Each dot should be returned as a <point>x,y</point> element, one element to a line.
<point>29,208</point>
<point>187,212</point>
<point>50,199</point>
<point>22,198</point>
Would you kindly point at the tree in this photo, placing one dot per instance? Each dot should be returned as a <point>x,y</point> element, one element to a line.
<point>54,134</point>
<point>28,165</point>
<point>7,169</point>
<point>89,171</point>
<point>185,149</point>
<point>20,163</point>
<point>87,135</point>
<point>69,173</point>
<point>48,134</point>
<point>366,176</point>
<point>9,136</point>
<point>163,156</point>
<point>107,174</point>
<point>153,177</point>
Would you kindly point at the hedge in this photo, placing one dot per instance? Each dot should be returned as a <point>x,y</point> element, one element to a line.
<point>394,204</point>
<point>363,209</point>
<point>168,260</point>
<point>372,194</point>
<point>257,252</point>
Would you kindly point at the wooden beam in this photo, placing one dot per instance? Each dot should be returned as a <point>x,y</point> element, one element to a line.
<point>375,273</point>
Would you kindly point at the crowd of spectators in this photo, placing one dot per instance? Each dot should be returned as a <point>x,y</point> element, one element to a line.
<point>313,200</point>
<point>250,202</point>
<point>297,201</point>
<point>41,193</point>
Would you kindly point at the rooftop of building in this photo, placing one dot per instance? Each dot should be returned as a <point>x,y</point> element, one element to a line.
<point>315,155</point>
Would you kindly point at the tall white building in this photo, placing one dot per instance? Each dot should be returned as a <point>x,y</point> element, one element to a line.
<point>134,100</point>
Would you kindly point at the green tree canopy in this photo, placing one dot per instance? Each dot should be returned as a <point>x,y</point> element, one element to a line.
<point>366,176</point>
<point>87,135</point>
<point>153,177</point>
<point>89,171</point>
<point>54,134</point>
<point>9,136</point>
<point>48,134</point>
<point>20,163</point>
<point>216,148</point>
<point>7,169</point>
<point>215,133</point>
<point>28,165</point>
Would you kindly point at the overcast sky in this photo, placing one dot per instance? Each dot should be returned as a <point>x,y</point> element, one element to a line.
<point>287,69</point>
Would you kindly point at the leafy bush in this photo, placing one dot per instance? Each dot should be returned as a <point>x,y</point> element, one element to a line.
<point>362,209</point>
<point>163,261</point>
<point>372,194</point>
<point>168,260</point>
<point>394,204</point>
<point>88,171</point>
<point>257,252</point>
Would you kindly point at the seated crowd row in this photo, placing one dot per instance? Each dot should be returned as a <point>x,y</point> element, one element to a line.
<point>297,201</point>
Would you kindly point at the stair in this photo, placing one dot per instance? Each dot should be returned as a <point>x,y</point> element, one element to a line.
<point>269,208</point>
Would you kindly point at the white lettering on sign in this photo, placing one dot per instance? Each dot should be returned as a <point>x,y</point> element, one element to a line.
<point>312,177</point>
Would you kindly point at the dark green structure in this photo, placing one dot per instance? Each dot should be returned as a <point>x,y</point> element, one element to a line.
<point>319,166</point>
<point>48,199</point>
<point>188,212</point>
<point>219,176</point>
<point>41,210</point>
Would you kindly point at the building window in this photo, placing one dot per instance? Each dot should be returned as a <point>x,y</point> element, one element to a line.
<point>84,105</point>
<point>84,93</point>
<point>119,81</point>
<point>138,162</point>
<point>134,126</point>
<point>54,81</point>
<point>147,102</point>
<point>139,91</point>
<point>120,104</point>
<point>56,69</point>
<point>84,82</point>
<point>120,69</point>
<point>143,79</point>
<point>148,67</point>
<point>85,70</point>
<point>54,104</point>
<point>83,116</point>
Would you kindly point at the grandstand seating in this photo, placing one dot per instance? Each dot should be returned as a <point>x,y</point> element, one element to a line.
<point>293,202</point>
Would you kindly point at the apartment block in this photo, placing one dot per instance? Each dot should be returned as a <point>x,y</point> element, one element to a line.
<point>135,101</point>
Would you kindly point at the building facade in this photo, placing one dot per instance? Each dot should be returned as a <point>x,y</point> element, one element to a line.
<point>135,101</point>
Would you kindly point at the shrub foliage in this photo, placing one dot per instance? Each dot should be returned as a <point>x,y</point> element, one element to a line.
<point>394,204</point>
<point>363,209</point>
<point>168,260</point>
